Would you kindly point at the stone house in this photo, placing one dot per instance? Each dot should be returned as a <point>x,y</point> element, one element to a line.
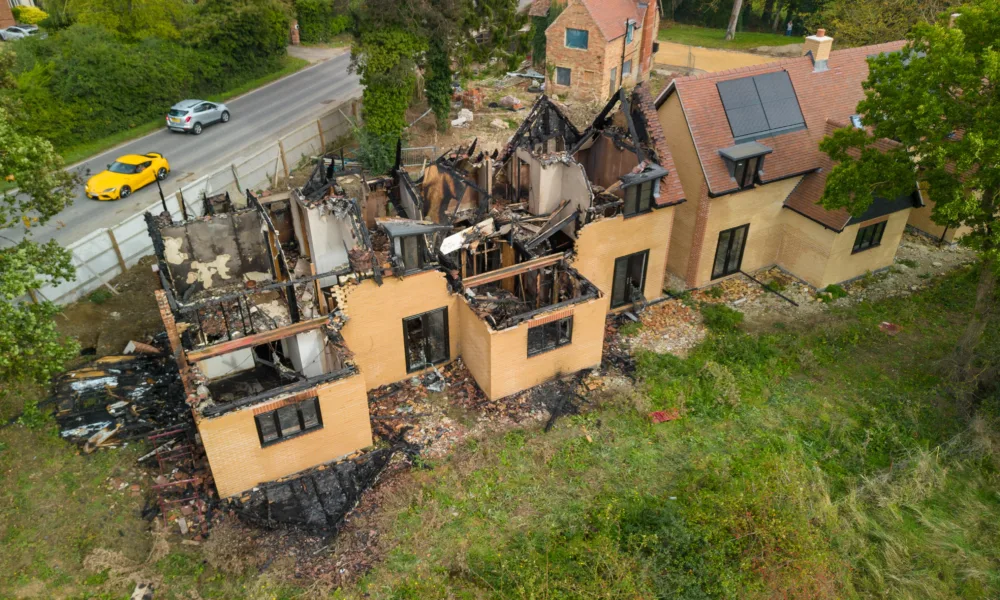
<point>595,47</point>
<point>746,146</point>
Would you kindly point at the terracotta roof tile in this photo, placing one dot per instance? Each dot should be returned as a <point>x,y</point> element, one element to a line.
<point>671,191</point>
<point>832,94</point>
<point>611,15</point>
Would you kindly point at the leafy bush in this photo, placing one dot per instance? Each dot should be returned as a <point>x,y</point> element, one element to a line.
<point>29,15</point>
<point>317,21</point>
<point>832,292</point>
<point>719,317</point>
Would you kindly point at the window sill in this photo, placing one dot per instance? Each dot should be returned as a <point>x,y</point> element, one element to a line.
<point>638,214</point>
<point>547,350</point>
<point>860,250</point>
<point>291,437</point>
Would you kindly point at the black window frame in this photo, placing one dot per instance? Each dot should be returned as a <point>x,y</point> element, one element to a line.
<point>642,202</point>
<point>586,44</point>
<point>569,76</point>
<point>726,271</point>
<point>869,236</point>
<point>645,271</point>
<point>412,368</point>
<point>550,331</point>
<point>272,415</point>
<point>746,172</point>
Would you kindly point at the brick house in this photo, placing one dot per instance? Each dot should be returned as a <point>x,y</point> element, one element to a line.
<point>283,311</point>
<point>746,146</point>
<point>595,47</point>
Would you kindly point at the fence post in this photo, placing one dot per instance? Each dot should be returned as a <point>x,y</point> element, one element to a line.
<point>236,177</point>
<point>180,202</point>
<point>118,251</point>
<point>322,142</point>
<point>284,161</point>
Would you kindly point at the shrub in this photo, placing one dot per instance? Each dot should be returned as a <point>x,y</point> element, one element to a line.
<point>832,292</point>
<point>715,292</point>
<point>29,15</point>
<point>719,317</point>
<point>317,23</point>
<point>775,286</point>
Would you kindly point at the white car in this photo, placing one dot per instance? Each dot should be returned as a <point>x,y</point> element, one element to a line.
<point>16,32</point>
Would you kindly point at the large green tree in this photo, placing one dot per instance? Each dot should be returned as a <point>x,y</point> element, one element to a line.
<point>861,22</point>
<point>36,189</point>
<point>938,99</point>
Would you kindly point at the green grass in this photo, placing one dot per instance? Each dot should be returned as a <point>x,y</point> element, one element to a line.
<point>817,461</point>
<point>693,35</point>
<point>81,152</point>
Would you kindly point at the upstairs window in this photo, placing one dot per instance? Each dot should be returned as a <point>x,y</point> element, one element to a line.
<point>869,237</point>
<point>629,32</point>
<point>549,336</point>
<point>745,162</point>
<point>288,421</point>
<point>638,198</point>
<point>577,38</point>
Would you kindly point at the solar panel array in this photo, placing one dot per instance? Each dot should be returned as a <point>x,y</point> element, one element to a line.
<point>761,106</point>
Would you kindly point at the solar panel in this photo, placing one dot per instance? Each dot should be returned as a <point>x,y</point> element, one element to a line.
<point>761,106</point>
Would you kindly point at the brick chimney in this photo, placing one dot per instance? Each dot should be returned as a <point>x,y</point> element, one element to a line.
<point>819,45</point>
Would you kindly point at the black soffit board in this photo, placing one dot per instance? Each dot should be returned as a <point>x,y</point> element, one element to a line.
<point>761,106</point>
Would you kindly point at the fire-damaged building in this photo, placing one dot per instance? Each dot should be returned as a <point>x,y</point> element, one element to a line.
<point>283,311</point>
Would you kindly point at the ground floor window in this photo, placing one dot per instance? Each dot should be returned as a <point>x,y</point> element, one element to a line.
<point>563,76</point>
<point>629,279</point>
<point>425,338</point>
<point>627,68</point>
<point>288,421</point>
<point>729,252</point>
<point>613,86</point>
<point>549,336</point>
<point>869,237</point>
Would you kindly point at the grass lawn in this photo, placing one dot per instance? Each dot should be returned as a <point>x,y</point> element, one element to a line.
<point>83,151</point>
<point>693,35</point>
<point>814,461</point>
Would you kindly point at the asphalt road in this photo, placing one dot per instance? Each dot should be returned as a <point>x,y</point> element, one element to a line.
<point>258,119</point>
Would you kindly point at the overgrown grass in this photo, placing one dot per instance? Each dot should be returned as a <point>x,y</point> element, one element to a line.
<point>693,35</point>
<point>815,462</point>
<point>82,152</point>
<point>824,463</point>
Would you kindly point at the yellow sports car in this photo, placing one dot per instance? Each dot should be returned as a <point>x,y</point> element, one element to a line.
<point>127,174</point>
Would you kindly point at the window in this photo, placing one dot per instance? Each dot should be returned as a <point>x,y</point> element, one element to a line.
<point>629,279</point>
<point>729,252</point>
<point>745,172</point>
<point>639,198</point>
<point>629,31</point>
<point>627,68</point>
<point>577,38</point>
<point>614,81</point>
<point>869,237</point>
<point>563,76</point>
<point>288,421</point>
<point>549,336</point>
<point>856,122</point>
<point>425,339</point>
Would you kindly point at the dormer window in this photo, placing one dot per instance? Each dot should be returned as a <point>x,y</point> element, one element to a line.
<point>409,247</point>
<point>745,162</point>
<point>629,32</point>
<point>641,189</point>
<point>856,122</point>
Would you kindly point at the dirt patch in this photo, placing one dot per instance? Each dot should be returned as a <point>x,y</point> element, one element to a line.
<point>105,321</point>
<point>918,261</point>
<point>670,327</point>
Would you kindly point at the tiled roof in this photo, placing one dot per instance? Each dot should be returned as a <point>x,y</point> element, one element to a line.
<point>611,15</point>
<point>831,94</point>
<point>539,8</point>
<point>671,191</point>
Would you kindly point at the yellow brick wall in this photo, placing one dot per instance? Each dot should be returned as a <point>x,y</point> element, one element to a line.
<point>921,219</point>
<point>844,265</point>
<point>601,242</point>
<point>762,208</point>
<point>476,350</point>
<point>374,331</point>
<point>678,136</point>
<point>512,370</point>
<point>805,247</point>
<point>238,461</point>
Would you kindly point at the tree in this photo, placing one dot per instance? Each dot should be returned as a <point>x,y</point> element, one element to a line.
<point>733,20</point>
<point>133,19</point>
<point>862,22</point>
<point>938,98</point>
<point>30,347</point>
<point>439,82</point>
